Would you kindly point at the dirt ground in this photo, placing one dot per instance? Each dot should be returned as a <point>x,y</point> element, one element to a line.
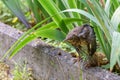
<point>5,72</point>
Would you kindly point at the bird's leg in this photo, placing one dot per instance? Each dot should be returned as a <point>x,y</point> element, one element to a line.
<point>78,49</point>
<point>90,59</point>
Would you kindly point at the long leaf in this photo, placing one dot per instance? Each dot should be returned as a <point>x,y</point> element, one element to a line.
<point>41,8</point>
<point>73,5</point>
<point>65,3</point>
<point>52,10</point>
<point>50,33</point>
<point>13,5</point>
<point>107,7</point>
<point>105,24</point>
<point>115,3</point>
<point>46,33</point>
<point>116,18</point>
<point>115,52</point>
<point>50,25</point>
<point>22,44</point>
<point>88,15</point>
<point>71,20</point>
<point>102,41</point>
<point>35,9</point>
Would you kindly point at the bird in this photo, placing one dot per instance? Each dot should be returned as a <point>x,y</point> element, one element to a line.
<point>83,39</point>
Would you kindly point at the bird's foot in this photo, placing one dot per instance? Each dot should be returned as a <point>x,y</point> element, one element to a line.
<point>87,64</point>
<point>78,59</point>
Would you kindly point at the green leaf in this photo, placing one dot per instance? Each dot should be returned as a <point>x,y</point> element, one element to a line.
<point>88,15</point>
<point>107,7</point>
<point>107,66</point>
<point>118,60</point>
<point>71,20</point>
<point>73,5</point>
<point>115,3</point>
<point>102,41</point>
<point>105,24</point>
<point>34,8</point>
<point>116,18</point>
<point>13,5</point>
<point>50,25</point>
<point>50,33</point>
<point>22,44</point>
<point>42,10</point>
<point>64,26</point>
<point>115,52</point>
<point>52,10</point>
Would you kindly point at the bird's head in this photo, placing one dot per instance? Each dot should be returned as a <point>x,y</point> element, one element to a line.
<point>72,39</point>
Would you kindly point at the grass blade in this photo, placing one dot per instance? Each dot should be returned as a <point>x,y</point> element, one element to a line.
<point>115,4</point>
<point>13,5</point>
<point>50,33</point>
<point>88,15</point>
<point>116,18</point>
<point>115,52</point>
<point>105,24</point>
<point>73,5</point>
<point>52,10</point>
<point>34,8</point>
<point>107,7</point>
<point>22,44</point>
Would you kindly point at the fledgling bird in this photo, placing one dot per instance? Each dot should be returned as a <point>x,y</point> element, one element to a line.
<point>83,36</point>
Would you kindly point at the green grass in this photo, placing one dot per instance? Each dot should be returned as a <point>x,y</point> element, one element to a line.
<point>21,72</point>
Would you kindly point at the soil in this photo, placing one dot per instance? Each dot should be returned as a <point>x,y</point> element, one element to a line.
<point>5,72</point>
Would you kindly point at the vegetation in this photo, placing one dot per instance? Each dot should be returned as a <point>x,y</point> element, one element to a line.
<point>55,18</point>
<point>21,72</point>
<point>7,17</point>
